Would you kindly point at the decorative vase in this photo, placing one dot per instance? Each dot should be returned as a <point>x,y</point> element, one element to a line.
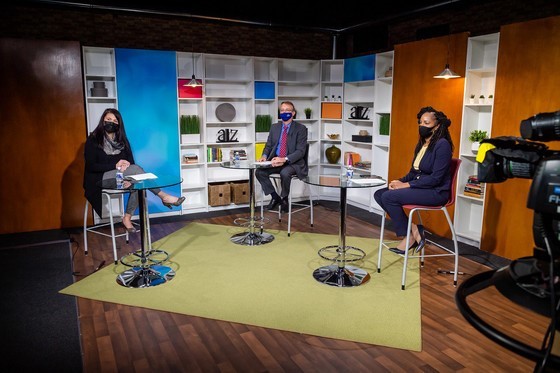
<point>474,146</point>
<point>332,154</point>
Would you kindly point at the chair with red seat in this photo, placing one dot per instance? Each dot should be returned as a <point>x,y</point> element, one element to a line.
<point>454,169</point>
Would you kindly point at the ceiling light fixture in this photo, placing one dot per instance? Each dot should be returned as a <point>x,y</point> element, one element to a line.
<point>193,82</point>
<point>447,73</point>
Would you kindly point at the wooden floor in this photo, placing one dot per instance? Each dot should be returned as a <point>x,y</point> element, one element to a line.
<point>118,338</point>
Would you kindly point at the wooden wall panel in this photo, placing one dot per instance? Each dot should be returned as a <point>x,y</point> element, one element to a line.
<point>527,83</point>
<point>413,88</point>
<point>41,136</point>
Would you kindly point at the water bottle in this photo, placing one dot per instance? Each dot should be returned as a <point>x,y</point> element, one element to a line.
<point>349,172</point>
<point>236,158</point>
<point>120,178</point>
<point>349,167</point>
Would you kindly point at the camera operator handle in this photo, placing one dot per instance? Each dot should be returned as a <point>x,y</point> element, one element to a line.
<point>482,281</point>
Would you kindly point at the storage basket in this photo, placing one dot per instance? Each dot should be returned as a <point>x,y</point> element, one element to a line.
<point>219,194</point>
<point>239,192</point>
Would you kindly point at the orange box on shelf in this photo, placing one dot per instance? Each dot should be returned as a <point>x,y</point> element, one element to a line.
<point>331,110</point>
<point>356,157</point>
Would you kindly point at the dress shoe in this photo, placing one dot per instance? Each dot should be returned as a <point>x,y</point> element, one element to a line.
<point>179,202</point>
<point>422,243</point>
<point>273,204</point>
<point>401,252</point>
<point>285,205</point>
<point>130,229</point>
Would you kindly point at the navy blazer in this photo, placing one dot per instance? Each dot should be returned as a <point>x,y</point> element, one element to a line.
<point>433,170</point>
<point>297,143</point>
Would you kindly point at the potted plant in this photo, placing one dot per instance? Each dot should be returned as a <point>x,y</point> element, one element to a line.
<point>190,129</point>
<point>472,99</point>
<point>490,98</point>
<point>476,136</point>
<point>481,99</point>
<point>263,122</point>
<point>307,112</point>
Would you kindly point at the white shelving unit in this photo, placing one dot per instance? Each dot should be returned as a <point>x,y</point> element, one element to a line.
<point>480,79</point>
<point>374,97</point>
<point>235,80</point>
<point>194,186</point>
<point>382,108</point>
<point>99,66</point>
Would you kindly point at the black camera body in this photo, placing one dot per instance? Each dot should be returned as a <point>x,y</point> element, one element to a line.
<point>534,281</point>
<point>507,157</point>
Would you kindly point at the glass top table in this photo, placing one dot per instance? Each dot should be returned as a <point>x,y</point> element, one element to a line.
<point>342,275</point>
<point>145,272</point>
<point>253,237</point>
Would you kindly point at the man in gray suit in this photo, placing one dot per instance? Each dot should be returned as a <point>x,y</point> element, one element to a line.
<point>286,160</point>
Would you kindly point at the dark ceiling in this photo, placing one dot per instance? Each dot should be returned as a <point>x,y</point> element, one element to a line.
<point>340,16</point>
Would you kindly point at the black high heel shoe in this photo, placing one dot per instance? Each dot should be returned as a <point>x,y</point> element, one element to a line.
<point>401,252</point>
<point>422,243</point>
<point>179,202</point>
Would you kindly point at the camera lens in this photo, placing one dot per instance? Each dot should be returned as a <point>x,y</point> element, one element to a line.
<point>542,127</point>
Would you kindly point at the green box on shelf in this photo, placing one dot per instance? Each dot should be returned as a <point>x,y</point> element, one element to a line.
<point>384,123</point>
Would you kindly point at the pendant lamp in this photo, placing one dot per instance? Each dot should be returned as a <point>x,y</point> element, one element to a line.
<point>193,82</point>
<point>447,73</point>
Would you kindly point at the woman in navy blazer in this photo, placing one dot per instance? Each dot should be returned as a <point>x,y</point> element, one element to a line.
<point>429,180</point>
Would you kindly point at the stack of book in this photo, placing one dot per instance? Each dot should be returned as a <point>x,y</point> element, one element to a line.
<point>242,154</point>
<point>474,188</point>
<point>190,158</point>
<point>366,165</point>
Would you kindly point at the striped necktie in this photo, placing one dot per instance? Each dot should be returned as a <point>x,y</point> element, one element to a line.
<point>284,142</point>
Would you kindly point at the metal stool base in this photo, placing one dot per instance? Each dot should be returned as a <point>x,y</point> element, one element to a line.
<point>252,239</point>
<point>143,277</point>
<point>347,276</point>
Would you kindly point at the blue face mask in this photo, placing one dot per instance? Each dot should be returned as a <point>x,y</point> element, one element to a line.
<point>286,116</point>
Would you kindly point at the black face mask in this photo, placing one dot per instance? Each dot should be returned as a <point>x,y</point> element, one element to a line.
<point>425,132</point>
<point>110,127</point>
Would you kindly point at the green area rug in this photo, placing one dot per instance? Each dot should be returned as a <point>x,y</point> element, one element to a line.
<point>272,286</point>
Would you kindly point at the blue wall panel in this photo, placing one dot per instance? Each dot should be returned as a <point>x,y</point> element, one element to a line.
<point>359,68</point>
<point>147,99</point>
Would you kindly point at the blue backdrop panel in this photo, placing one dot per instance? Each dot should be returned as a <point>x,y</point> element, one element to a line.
<point>359,68</point>
<point>147,99</point>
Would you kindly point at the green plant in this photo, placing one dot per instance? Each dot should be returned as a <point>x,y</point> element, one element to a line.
<point>491,96</point>
<point>189,124</point>
<point>263,122</point>
<point>477,135</point>
<point>472,96</point>
<point>481,97</point>
<point>307,112</point>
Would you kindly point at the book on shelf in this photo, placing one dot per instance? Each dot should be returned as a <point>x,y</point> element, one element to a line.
<point>214,154</point>
<point>471,194</point>
<point>190,158</point>
<point>242,154</point>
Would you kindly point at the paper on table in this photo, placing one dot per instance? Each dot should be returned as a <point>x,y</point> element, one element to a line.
<point>369,181</point>
<point>145,176</point>
<point>264,163</point>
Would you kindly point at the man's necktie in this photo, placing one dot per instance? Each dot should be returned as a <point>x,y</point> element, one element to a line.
<point>284,142</point>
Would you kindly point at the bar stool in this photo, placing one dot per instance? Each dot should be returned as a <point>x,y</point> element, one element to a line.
<point>109,196</point>
<point>454,169</point>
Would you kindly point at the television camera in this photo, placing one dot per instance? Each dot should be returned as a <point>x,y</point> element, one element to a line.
<point>534,281</point>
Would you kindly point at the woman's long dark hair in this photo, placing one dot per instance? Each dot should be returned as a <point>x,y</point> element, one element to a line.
<point>441,132</point>
<point>120,134</point>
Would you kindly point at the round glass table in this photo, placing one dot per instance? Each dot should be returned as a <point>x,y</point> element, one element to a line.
<point>253,237</point>
<point>146,268</point>
<point>341,274</point>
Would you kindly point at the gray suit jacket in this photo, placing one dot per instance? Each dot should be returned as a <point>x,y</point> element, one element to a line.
<point>297,144</point>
